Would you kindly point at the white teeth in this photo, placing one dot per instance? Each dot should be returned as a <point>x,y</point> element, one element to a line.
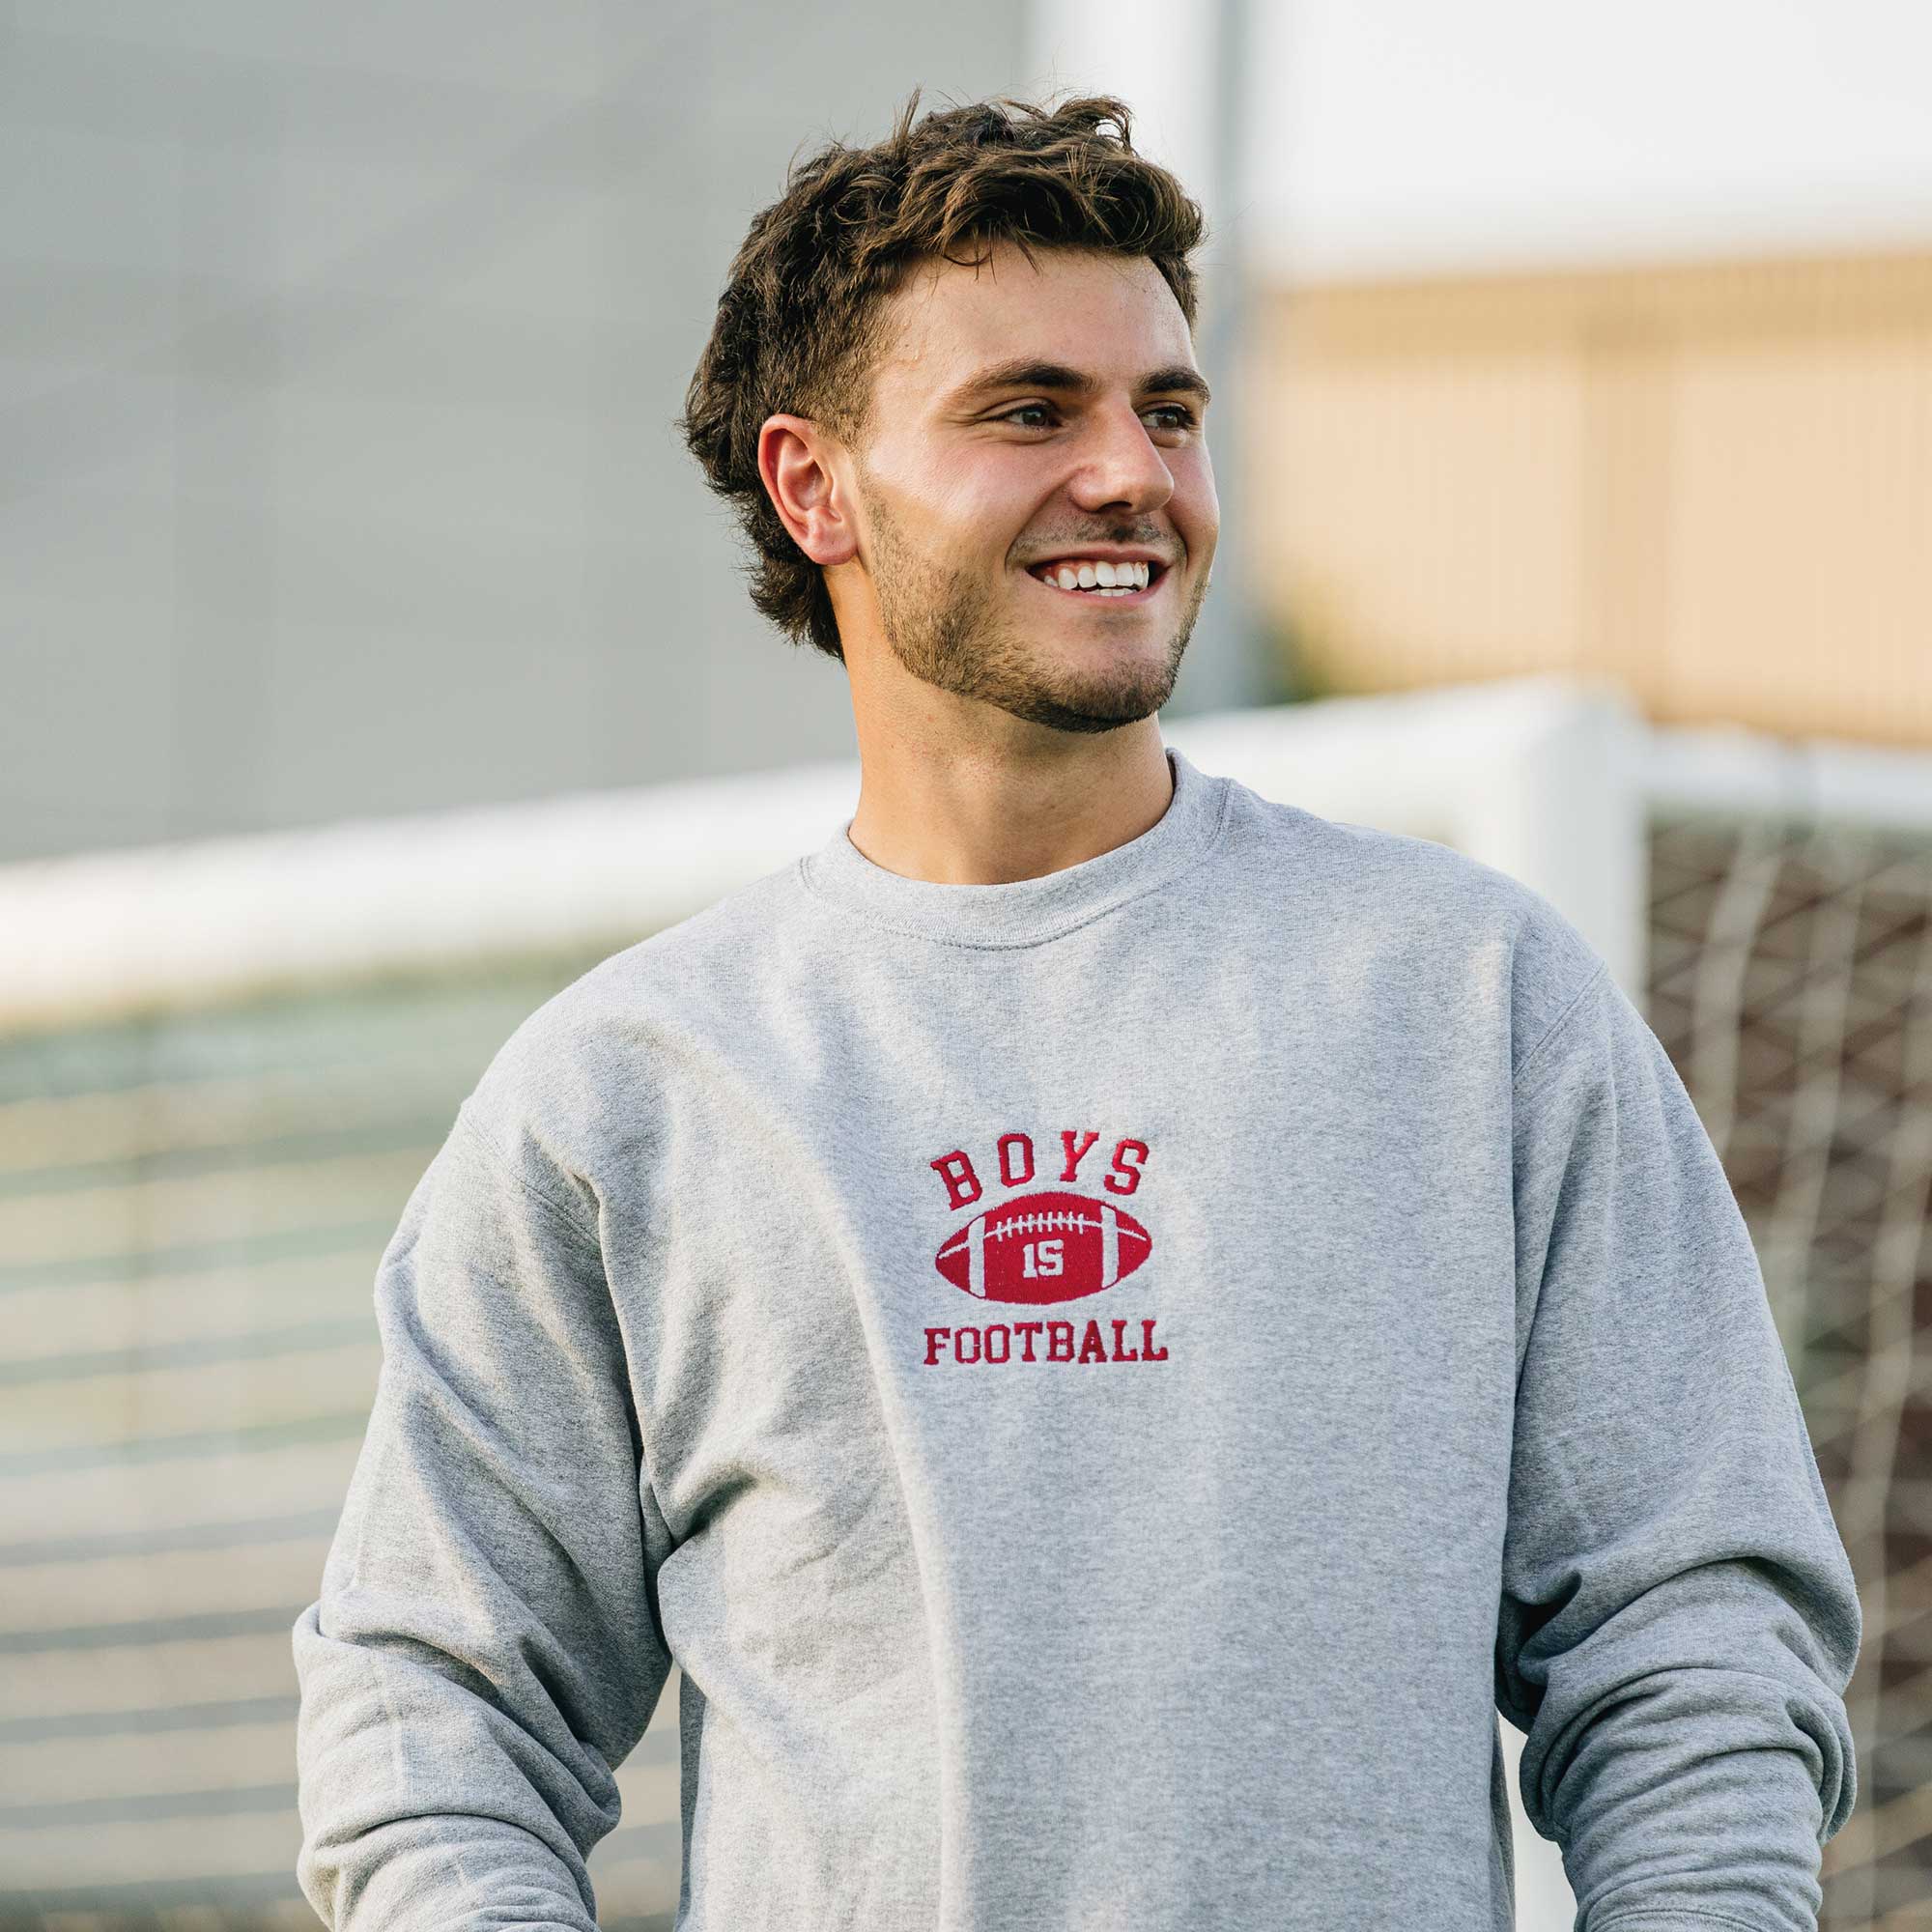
<point>1099,579</point>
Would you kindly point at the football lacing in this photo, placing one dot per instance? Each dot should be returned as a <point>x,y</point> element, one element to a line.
<point>1043,1222</point>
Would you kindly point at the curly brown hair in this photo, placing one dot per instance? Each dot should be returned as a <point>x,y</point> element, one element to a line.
<point>802,318</point>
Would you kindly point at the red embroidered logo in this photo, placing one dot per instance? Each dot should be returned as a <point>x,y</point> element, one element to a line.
<point>1040,1249</point>
<point>1045,1247</point>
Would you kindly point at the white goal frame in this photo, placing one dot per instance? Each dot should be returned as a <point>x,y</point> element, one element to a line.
<point>1535,777</point>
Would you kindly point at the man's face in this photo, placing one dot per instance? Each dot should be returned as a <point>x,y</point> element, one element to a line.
<point>1028,417</point>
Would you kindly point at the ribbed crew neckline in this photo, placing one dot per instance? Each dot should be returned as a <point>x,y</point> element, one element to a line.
<point>1026,911</point>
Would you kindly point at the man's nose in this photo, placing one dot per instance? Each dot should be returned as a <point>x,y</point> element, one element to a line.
<point>1121,465</point>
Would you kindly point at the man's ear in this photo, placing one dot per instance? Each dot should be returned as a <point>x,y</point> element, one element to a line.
<point>795,462</point>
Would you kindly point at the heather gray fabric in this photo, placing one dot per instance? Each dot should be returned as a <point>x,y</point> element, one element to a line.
<point>1438,1378</point>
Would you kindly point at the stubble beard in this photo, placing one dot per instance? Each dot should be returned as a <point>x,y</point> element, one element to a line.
<point>946,630</point>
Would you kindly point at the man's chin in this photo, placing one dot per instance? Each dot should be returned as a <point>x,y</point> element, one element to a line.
<point>1095,685</point>
<point>1095,704</point>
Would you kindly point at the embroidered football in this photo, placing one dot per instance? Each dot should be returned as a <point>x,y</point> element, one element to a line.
<point>1043,1247</point>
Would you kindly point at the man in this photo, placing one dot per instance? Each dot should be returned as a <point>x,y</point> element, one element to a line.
<point>1108,1325</point>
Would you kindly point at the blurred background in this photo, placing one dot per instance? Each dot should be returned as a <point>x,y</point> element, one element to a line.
<point>375,663</point>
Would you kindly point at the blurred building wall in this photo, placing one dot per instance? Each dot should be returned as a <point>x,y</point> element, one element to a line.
<point>339,350</point>
<point>1710,482</point>
<point>1399,137</point>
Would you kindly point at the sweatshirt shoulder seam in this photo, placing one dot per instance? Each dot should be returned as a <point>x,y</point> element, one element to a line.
<point>507,1169</point>
<point>1556,1025</point>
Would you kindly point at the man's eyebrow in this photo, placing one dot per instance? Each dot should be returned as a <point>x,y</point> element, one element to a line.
<point>1027,373</point>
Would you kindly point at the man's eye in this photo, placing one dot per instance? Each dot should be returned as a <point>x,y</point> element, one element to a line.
<point>1184,416</point>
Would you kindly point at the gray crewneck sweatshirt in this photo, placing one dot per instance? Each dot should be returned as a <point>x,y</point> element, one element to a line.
<point>1106,1385</point>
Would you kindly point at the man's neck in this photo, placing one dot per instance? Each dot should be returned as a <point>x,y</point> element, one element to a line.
<point>963,816</point>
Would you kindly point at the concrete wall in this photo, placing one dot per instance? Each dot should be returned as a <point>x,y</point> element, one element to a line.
<point>339,348</point>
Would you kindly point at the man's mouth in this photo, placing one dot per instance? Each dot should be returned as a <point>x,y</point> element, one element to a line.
<point>1101,583</point>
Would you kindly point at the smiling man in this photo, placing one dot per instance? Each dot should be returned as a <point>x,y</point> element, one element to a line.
<point>1014,550</point>
<point>1111,1326</point>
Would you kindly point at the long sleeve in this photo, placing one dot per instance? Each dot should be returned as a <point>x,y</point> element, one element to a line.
<point>485,1650</point>
<point>1678,1619</point>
